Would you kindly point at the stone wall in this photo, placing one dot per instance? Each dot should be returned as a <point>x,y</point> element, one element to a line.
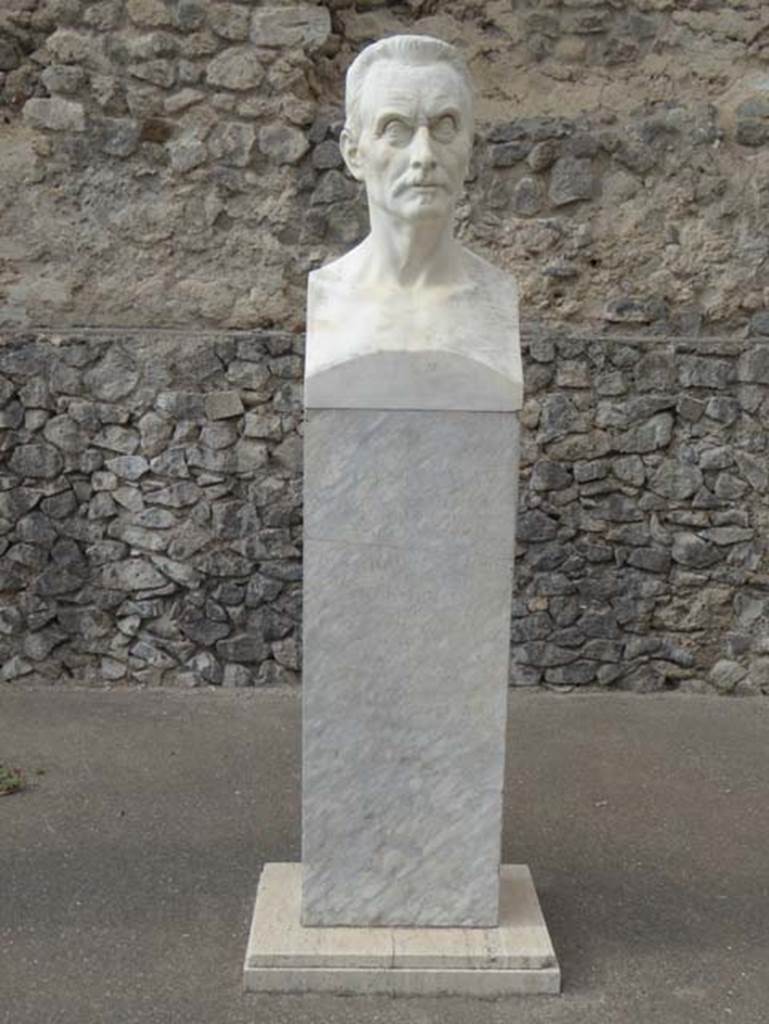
<point>173,162</point>
<point>150,510</point>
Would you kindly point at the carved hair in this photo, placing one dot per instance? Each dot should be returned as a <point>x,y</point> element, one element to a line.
<point>410,50</point>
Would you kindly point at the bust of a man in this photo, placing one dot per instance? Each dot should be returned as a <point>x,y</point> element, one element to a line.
<point>410,318</point>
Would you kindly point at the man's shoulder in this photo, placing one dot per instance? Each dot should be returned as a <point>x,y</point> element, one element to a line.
<point>337,272</point>
<point>498,287</point>
<point>486,273</point>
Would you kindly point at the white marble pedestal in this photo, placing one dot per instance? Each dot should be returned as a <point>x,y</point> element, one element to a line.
<point>410,495</point>
<point>515,957</point>
<point>409,528</point>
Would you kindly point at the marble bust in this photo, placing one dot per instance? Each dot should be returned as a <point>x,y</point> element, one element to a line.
<point>410,318</point>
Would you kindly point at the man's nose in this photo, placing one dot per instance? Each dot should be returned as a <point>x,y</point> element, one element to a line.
<point>421,154</point>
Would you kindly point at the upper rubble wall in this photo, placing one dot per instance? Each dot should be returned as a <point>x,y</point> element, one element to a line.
<point>174,163</point>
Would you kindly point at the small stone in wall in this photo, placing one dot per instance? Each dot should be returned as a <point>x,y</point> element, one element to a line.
<point>754,469</point>
<point>543,155</point>
<point>326,156</point>
<point>571,180</point>
<point>182,100</point>
<point>237,68</point>
<point>701,372</point>
<point>62,79</point>
<point>300,25</point>
<point>726,674</point>
<point>333,188</point>
<point>655,370</point>
<point>631,310</point>
<point>506,154</point>
<point>219,435</point>
<point>190,14</point>
<point>287,653</point>
<point>103,89</point>
<point>189,73</point>
<point>186,154</point>
<point>221,405</point>
<point>128,467</point>
<point>237,676</point>
<point>283,143</point>
<point>152,13</point>
<point>158,72</point>
<point>753,121</point>
<point>630,470</point>
<point>37,461</point>
<point>102,16</point>
<point>692,551</point>
<point>11,417</point>
<point>272,674</point>
<point>232,143</point>
<point>250,456</point>
<point>724,410</point>
<point>200,44</point>
<point>245,647</point>
<point>261,425</point>
<point>10,54</point>
<point>114,377</point>
<point>578,673</point>
<point>753,366</point>
<point>131,574</point>
<point>230,20</point>
<point>70,47</point>
<point>65,433</point>
<point>759,323</point>
<point>655,433</point>
<point>55,114</point>
<point>676,480</point>
<point>119,136</point>
<point>528,198</point>
<point>548,476</point>
<point>650,559</point>
<point>730,487</point>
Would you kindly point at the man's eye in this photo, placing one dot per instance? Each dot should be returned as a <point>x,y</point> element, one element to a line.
<point>444,129</point>
<point>397,133</point>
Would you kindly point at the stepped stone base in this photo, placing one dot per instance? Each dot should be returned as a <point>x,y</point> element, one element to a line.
<point>517,957</point>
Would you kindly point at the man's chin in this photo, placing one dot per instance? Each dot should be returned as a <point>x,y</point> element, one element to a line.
<point>425,206</point>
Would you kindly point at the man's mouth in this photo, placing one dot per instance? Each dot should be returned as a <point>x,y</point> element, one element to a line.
<point>420,188</point>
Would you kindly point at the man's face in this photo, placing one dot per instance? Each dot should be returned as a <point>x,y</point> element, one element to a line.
<point>415,139</point>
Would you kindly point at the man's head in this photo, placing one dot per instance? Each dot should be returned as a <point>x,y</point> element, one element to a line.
<point>409,127</point>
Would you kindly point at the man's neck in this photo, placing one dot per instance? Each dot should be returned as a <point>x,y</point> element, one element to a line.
<point>409,254</point>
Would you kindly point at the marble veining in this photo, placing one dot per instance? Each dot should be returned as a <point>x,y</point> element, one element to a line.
<point>406,625</point>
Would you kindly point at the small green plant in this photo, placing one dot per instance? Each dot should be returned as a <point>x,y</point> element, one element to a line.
<point>11,780</point>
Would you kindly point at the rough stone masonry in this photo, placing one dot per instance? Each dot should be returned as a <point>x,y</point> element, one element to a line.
<point>150,510</point>
<point>173,164</point>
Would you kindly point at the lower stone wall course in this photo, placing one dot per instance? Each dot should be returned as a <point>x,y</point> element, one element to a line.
<point>151,518</point>
<point>150,508</point>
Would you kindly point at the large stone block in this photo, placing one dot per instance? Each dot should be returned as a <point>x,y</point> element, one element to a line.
<point>409,537</point>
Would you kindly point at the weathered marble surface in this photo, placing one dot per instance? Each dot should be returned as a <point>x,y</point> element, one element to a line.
<point>517,956</point>
<point>413,380</point>
<point>409,537</point>
<point>446,348</point>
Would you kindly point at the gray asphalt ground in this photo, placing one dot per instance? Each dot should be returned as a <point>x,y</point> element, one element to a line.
<point>128,866</point>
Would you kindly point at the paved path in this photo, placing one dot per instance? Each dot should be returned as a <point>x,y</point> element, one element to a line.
<point>128,869</point>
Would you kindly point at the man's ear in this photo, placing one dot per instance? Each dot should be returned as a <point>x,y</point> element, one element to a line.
<point>348,145</point>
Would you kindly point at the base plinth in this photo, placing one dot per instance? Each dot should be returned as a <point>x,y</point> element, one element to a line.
<point>516,957</point>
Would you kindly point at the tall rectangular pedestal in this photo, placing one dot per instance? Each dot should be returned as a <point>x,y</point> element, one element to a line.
<point>409,540</point>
